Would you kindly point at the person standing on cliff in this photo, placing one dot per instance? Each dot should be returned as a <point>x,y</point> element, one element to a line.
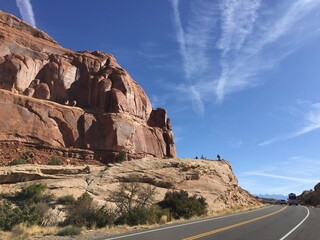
<point>218,156</point>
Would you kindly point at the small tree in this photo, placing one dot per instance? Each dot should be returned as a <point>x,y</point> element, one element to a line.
<point>133,201</point>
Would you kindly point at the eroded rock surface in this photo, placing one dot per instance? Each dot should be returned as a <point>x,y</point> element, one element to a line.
<point>311,197</point>
<point>213,180</point>
<point>52,95</point>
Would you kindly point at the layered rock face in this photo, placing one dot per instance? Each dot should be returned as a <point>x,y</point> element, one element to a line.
<point>53,96</point>
<point>213,180</point>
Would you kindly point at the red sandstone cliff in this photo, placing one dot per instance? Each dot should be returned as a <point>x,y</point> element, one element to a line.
<point>57,97</point>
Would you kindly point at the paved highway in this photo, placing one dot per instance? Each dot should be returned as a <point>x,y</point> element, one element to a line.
<point>270,223</point>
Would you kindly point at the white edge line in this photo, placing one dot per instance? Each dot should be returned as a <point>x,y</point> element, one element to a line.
<point>292,230</point>
<point>185,224</point>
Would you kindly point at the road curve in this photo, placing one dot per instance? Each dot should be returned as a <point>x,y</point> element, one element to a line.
<point>270,223</point>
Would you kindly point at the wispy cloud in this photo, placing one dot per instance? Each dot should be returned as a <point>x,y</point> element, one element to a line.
<point>295,179</point>
<point>294,174</point>
<point>26,11</point>
<point>226,45</point>
<point>237,21</point>
<point>252,43</point>
<point>311,123</point>
<point>194,41</point>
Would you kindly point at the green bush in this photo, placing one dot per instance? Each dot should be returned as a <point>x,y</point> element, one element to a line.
<point>143,215</point>
<point>66,200</point>
<point>18,161</point>
<point>69,231</point>
<point>55,161</point>
<point>31,207</point>
<point>122,156</point>
<point>34,193</point>
<point>134,217</point>
<point>11,216</point>
<point>84,213</point>
<point>181,205</point>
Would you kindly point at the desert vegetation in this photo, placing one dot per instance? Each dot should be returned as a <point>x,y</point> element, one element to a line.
<point>134,205</point>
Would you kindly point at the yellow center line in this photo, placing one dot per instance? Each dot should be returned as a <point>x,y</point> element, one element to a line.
<point>232,226</point>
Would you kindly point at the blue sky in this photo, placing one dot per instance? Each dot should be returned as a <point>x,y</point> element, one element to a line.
<point>238,78</point>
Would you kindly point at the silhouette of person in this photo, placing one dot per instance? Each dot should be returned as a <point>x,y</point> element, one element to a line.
<point>218,156</point>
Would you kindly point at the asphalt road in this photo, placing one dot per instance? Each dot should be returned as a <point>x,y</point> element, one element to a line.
<point>271,223</point>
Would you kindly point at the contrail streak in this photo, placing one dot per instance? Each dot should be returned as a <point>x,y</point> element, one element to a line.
<point>26,11</point>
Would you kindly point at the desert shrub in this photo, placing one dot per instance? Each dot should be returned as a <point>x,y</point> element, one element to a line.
<point>159,215</point>
<point>11,216</point>
<point>33,193</point>
<point>31,206</point>
<point>103,216</point>
<point>145,215</point>
<point>18,161</point>
<point>182,205</point>
<point>121,156</point>
<point>84,213</point>
<point>133,201</point>
<point>69,231</point>
<point>134,217</point>
<point>55,161</point>
<point>66,200</point>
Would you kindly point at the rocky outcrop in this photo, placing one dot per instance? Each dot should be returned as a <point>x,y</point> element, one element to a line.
<point>310,197</point>
<point>214,180</point>
<point>66,99</point>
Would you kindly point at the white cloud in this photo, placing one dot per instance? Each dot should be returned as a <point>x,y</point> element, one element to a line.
<point>194,41</point>
<point>311,123</point>
<point>226,45</point>
<point>294,174</point>
<point>26,11</point>
<point>295,179</point>
<point>237,18</point>
<point>253,43</point>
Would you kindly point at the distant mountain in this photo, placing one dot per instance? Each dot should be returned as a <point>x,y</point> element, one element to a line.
<point>274,196</point>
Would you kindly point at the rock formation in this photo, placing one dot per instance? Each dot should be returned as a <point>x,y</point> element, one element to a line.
<point>214,180</point>
<point>311,197</point>
<point>52,96</point>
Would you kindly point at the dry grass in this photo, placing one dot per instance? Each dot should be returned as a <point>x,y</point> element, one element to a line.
<point>238,209</point>
<point>23,232</point>
<point>4,236</point>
